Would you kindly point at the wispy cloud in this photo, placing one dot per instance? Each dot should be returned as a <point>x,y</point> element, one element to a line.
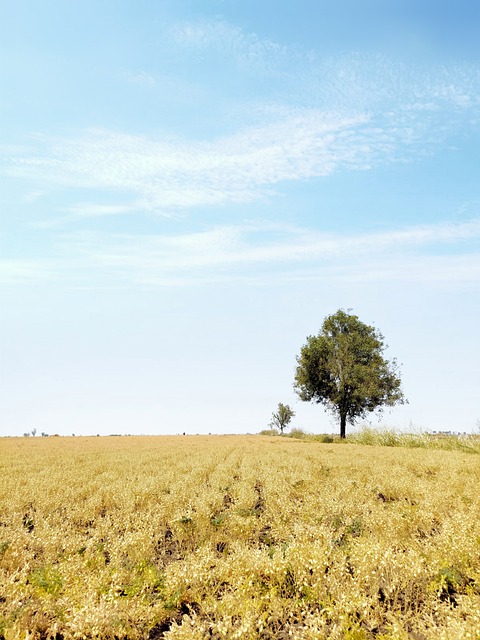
<point>232,245</point>
<point>140,78</point>
<point>353,80</point>
<point>352,112</point>
<point>87,210</point>
<point>248,50</point>
<point>33,271</point>
<point>263,253</point>
<point>179,174</point>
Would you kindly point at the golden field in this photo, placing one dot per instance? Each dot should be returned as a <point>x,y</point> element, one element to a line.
<point>236,537</point>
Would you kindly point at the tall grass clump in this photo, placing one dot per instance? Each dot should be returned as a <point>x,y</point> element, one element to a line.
<point>300,434</point>
<point>389,437</point>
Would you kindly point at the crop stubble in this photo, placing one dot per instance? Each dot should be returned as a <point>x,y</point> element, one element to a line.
<point>236,537</point>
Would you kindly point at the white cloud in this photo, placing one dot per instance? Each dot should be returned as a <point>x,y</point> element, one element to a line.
<point>355,112</point>
<point>18,271</point>
<point>141,78</point>
<point>358,123</point>
<point>228,246</point>
<point>443,255</point>
<point>359,80</point>
<point>181,174</point>
<point>260,253</point>
<point>85,210</point>
<point>166,175</point>
<point>352,112</point>
<point>248,50</point>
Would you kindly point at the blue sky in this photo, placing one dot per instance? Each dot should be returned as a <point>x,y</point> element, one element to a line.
<point>188,188</point>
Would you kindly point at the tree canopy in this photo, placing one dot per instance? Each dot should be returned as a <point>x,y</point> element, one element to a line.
<point>343,368</point>
<point>282,416</point>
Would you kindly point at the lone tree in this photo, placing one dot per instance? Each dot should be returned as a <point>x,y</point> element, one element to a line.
<point>344,369</point>
<point>282,416</point>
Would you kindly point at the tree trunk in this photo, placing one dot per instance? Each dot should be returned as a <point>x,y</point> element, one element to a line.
<point>343,424</point>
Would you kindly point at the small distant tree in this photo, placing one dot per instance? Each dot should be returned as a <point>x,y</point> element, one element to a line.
<point>34,432</point>
<point>344,369</point>
<point>281,417</point>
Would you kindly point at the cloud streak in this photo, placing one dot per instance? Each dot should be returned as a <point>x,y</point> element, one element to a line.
<point>348,113</point>
<point>351,113</point>
<point>166,176</point>
<point>180,174</point>
<point>247,50</point>
<point>256,252</point>
<point>228,246</point>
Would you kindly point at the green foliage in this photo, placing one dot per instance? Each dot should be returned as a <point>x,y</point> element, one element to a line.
<point>47,580</point>
<point>4,546</point>
<point>282,417</point>
<point>323,437</point>
<point>300,434</point>
<point>344,369</point>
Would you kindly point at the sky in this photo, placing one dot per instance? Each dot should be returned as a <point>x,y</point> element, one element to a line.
<point>189,187</point>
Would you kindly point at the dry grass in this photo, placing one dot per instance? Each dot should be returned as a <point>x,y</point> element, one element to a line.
<point>237,537</point>
<point>388,437</point>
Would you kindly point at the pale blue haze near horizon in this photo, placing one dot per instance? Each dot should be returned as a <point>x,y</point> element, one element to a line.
<point>187,188</point>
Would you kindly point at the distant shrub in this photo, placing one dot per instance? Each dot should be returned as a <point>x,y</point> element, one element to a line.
<point>323,437</point>
<point>298,434</point>
<point>268,432</point>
